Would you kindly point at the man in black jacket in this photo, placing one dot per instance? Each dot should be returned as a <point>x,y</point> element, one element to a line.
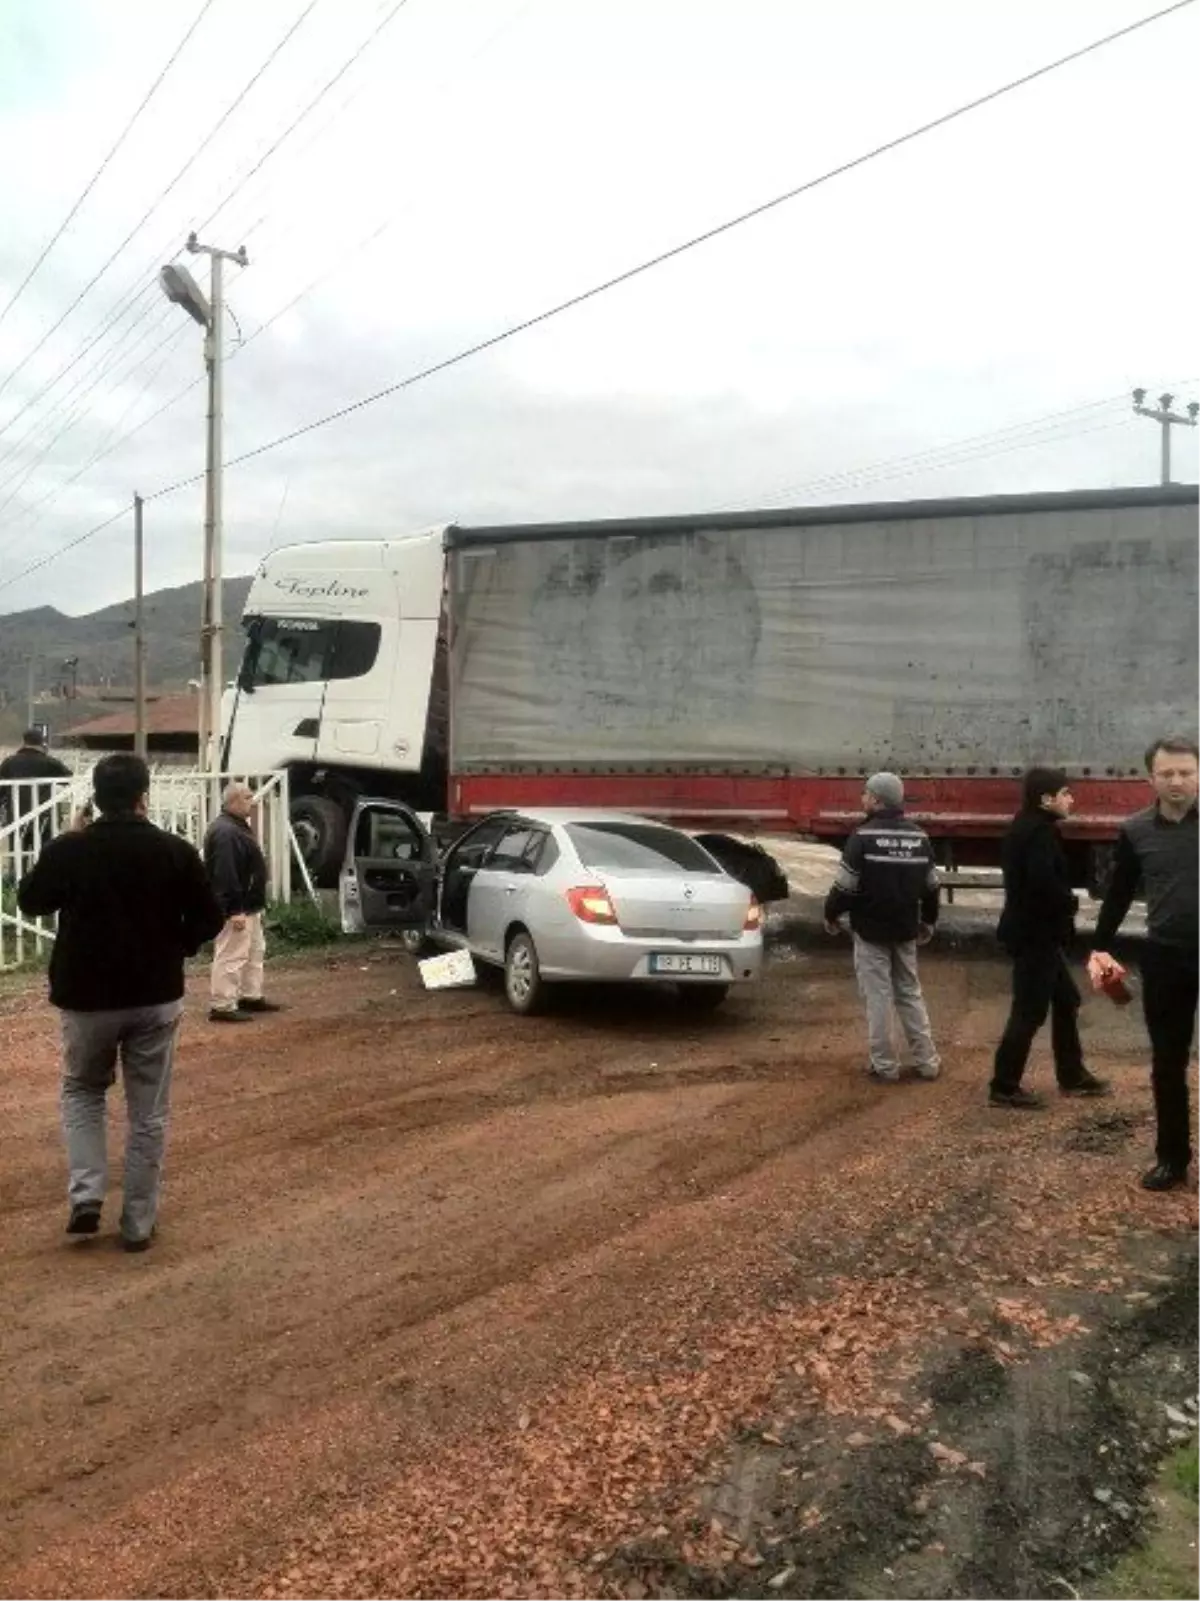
<point>888,884</point>
<point>238,872</point>
<point>1036,927</point>
<point>1158,848</point>
<point>31,761</point>
<point>132,903</point>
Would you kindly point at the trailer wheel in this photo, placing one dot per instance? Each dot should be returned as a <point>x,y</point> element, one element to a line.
<point>320,825</point>
<point>1099,870</point>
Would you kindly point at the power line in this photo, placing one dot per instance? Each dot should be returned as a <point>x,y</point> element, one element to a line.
<point>930,457</point>
<point>26,470</point>
<point>187,166</point>
<point>658,260</point>
<point>703,238</point>
<point>307,110</point>
<point>103,167</point>
<point>311,105</point>
<point>153,313</point>
<point>98,457</point>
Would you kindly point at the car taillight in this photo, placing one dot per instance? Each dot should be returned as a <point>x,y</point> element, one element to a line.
<point>592,904</point>
<point>754,918</point>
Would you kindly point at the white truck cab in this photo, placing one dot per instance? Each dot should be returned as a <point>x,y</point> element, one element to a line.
<point>337,678</point>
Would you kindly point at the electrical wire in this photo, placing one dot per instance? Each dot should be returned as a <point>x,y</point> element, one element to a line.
<point>304,113</point>
<point>83,408</point>
<point>242,181</point>
<point>706,237</point>
<point>104,165</point>
<point>152,318</point>
<point>187,166</point>
<point>648,265</point>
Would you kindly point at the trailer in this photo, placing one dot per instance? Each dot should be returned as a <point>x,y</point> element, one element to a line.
<point>739,673</point>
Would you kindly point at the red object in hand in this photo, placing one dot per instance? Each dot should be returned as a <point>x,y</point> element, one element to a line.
<point>1114,986</point>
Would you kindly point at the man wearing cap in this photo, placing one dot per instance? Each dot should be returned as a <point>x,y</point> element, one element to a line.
<point>888,884</point>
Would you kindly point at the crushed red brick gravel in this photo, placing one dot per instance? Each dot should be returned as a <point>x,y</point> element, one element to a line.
<point>450,1303</point>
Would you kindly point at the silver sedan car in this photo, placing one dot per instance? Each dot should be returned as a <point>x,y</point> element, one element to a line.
<point>554,896</point>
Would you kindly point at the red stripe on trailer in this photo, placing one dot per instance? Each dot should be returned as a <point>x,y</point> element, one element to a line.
<point>949,806</point>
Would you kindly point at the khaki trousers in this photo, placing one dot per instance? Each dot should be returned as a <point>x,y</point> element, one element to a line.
<point>237,969</point>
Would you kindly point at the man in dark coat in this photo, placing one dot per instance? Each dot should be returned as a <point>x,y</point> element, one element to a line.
<point>31,761</point>
<point>132,902</point>
<point>1036,927</point>
<point>238,871</point>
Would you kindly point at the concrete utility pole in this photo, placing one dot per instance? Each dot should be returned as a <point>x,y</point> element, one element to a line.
<point>139,637</point>
<point>181,287</point>
<point>1168,419</point>
<point>30,664</point>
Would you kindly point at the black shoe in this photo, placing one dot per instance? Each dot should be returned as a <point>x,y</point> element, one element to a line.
<point>1087,1084</point>
<point>128,1243</point>
<point>259,1005</point>
<point>218,1015</point>
<point>84,1219</point>
<point>1165,1176</point>
<point>1017,1100</point>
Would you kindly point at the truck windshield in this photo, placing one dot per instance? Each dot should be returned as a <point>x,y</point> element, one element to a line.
<point>633,845</point>
<point>306,650</point>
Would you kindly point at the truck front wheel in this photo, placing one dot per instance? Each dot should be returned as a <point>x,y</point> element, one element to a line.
<point>320,826</point>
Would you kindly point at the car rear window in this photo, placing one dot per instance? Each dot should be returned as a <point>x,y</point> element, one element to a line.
<point>634,845</point>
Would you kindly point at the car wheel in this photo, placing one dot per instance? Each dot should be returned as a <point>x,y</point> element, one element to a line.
<point>702,997</point>
<point>523,982</point>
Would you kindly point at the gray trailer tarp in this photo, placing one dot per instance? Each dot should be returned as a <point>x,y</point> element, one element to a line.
<point>962,636</point>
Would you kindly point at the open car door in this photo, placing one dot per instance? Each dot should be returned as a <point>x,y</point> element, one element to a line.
<point>388,874</point>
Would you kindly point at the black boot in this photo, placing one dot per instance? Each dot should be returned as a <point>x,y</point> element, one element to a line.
<point>1165,1176</point>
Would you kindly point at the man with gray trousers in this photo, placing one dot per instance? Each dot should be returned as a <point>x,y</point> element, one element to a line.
<point>132,903</point>
<point>888,884</point>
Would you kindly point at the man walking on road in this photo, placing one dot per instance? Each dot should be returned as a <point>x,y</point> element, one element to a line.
<point>132,903</point>
<point>1158,848</point>
<point>238,872</point>
<point>1036,927</point>
<point>888,884</point>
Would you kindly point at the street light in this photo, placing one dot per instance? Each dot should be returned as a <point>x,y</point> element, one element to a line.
<point>182,290</point>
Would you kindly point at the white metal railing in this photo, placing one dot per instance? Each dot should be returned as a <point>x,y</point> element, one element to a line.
<point>182,801</point>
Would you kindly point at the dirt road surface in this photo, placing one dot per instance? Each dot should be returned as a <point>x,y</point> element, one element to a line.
<point>614,1302</point>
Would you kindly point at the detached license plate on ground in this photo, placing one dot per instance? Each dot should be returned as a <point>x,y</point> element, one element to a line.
<point>682,966</point>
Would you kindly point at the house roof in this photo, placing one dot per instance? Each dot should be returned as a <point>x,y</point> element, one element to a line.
<point>170,714</point>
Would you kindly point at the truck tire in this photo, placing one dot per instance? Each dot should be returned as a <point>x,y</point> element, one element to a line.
<point>320,825</point>
<point>1099,869</point>
<point>523,982</point>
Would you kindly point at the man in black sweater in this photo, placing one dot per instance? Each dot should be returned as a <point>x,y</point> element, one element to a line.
<point>132,902</point>
<point>1157,848</point>
<point>238,871</point>
<point>887,883</point>
<point>1036,927</point>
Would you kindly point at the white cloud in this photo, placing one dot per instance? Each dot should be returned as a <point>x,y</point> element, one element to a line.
<point>1025,259</point>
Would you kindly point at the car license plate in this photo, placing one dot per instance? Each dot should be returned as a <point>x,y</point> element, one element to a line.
<point>682,966</point>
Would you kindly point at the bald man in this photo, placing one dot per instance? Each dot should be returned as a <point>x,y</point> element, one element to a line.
<point>238,872</point>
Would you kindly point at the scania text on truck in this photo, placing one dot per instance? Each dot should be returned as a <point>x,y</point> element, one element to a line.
<point>735,672</point>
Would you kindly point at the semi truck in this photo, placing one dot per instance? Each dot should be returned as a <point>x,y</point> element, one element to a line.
<point>738,674</point>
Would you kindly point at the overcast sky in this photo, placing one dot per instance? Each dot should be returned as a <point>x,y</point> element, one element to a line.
<point>485,159</point>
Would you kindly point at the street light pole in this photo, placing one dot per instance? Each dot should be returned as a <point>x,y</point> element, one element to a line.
<point>210,314</point>
<point>1167,419</point>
